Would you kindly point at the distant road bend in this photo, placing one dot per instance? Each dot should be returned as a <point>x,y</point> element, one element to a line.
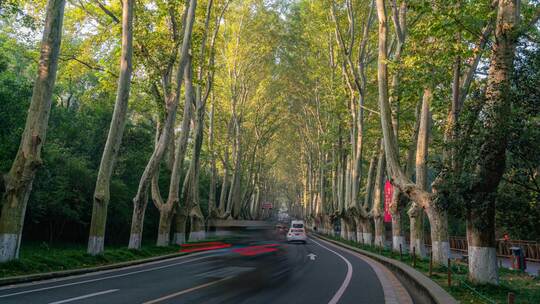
<point>316,272</point>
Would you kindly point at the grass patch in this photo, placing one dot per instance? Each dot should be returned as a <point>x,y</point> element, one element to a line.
<point>40,257</point>
<point>525,287</point>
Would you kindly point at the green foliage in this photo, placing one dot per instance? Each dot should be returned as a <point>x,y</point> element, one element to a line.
<point>518,203</point>
<point>15,93</point>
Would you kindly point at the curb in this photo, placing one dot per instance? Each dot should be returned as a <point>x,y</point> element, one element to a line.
<point>423,289</point>
<point>67,273</point>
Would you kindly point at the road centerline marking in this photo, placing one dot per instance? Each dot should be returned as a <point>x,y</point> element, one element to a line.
<point>85,296</point>
<point>339,293</point>
<point>176,294</point>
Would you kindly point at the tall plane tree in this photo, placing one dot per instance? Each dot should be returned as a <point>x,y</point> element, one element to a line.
<point>192,199</point>
<point>490,161</point>
<point>171,104</point>
<point>114,138</point>
<point>18,181</point>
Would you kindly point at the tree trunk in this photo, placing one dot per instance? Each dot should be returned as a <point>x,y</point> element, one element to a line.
<point>378,200</point>
<point>342,179</point>
<point>415,212</point>
<point>18,182</point>
<point>212,207</point>
<point>398,238</point>
<point>398,177</point>
<point>165,215</point>
<point>135,238</point>
<point>335,182</point>
<point>490,163</point>
<point>359,230</point>
<point>224,186</point>
<point>233,201</point>
<point>322,183</point>
<point>178,164</point>
<point>164,228</point>
<point>114,138</point>
<point>141,198</point>
<point>344,229</point>
<point>365,222</point>
<point>416,219</point>
<point>352,230</point>
<point>180,220</point>
<point>438,218</point>
<point>438,221</point>
<point>348,185</point>
<point>257,200</point>
<point>367,231</point>
<point>197,231</point>
<point>399,20</point>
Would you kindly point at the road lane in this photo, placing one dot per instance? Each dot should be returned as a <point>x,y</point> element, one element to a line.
<point>135,282</point>
<point>316,272</point>
<point>339,293</point>
<point>310,281</point>
<point>95,294</point>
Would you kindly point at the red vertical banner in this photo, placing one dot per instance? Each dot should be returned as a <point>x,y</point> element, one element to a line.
<point>388,192</point>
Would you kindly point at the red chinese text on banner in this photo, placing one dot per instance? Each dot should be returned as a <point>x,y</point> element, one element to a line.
<point>388,191</point>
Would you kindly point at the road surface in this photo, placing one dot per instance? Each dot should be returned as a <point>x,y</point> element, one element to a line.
<point>316,272</point>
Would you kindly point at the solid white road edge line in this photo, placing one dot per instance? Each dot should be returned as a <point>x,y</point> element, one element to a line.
<point>85,296</point>
<point>348,277</point>
<point>174,295</point>
<point>101,279</point>
<point>384,275</point>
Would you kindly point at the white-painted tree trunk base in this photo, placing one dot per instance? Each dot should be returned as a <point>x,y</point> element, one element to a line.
<point>398,240</point>
<point>420,248</point>
<point>379,241</point>
<point>441,252</point>
<point>95,245</point>
<point>343,234</point>
<point>135,241</point>
<point>367,238</point>
<point>343,231</point>
<point>8,247</point>
<point>359,236</point>
<point>483,265</point>
<point>179,238</point>
<point>163,240</point>
<point>197,235</point>
<point>351,235</point>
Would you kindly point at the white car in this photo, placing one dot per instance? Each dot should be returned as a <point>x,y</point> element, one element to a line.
<point>297,232</point>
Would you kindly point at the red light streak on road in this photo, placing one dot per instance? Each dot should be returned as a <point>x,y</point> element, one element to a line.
<point>203,246</point>
<point>255,250</point>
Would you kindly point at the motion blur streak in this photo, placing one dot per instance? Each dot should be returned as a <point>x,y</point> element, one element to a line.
<point>204,246</point>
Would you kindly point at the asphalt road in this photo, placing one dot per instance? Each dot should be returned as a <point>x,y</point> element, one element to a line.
<point>252,271</point>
